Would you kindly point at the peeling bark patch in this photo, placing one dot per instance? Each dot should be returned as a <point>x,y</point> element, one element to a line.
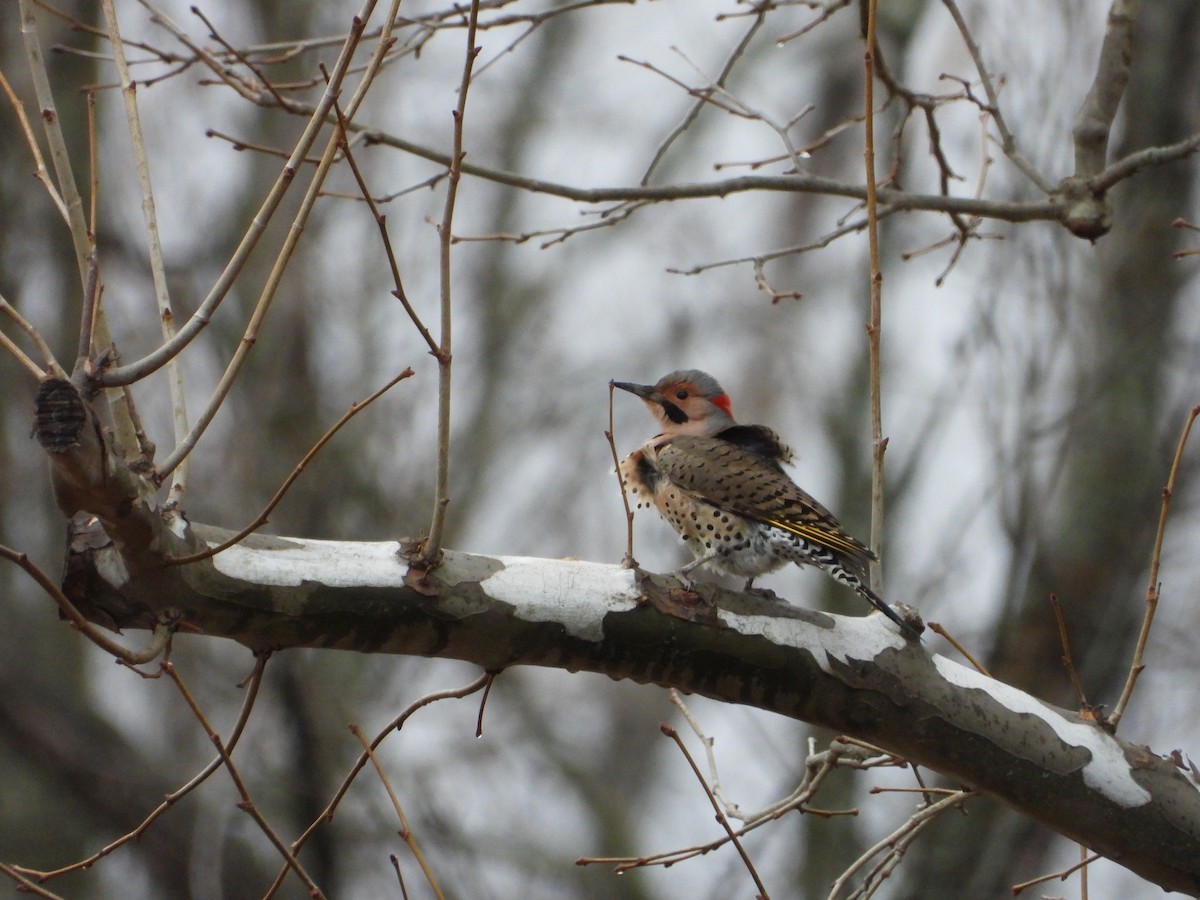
<point>331,563</point>
<point>111,567</point>
<point>860,638</point>
<point>686,605</point>
<point>1108,772</point>
<point>547,591</point>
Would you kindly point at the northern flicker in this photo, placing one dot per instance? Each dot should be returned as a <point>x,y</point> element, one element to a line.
<point>722,486</point>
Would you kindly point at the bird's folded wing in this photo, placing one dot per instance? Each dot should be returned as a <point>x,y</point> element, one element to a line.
<point>744,482</point>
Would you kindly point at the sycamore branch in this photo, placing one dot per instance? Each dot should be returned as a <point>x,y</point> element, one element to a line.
<point>855,676</point>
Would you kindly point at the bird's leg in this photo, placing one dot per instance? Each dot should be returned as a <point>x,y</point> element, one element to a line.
<point>683,571</point>
<point>765,593</point>
<point>709,556</point>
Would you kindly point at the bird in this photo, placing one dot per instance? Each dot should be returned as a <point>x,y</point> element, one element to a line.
<point>722,487</point>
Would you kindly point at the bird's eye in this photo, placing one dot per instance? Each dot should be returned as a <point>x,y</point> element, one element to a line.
<point>681,394</point>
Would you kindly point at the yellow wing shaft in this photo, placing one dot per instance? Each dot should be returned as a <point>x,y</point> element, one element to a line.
<point>838,542</point>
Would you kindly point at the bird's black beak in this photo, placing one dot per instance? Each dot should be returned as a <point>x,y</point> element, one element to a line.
<point>658,404</point>
<point>645,391</point>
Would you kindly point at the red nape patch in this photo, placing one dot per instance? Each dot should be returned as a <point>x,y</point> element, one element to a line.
<point>722,401</point>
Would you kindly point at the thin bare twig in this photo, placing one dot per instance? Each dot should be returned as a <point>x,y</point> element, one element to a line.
<point>57,141</point>
<point>708,743</point>
<point>25,884</point>
<point>875,324</point>
<point>1067,659</point>
<point>183,448</point>
<point>1143,159</point>
<point>91,305</point>
<point>432,551</point>
<point>693,112</point>
<point>395,861</point>
<point>893,198</point>
<point>158,271</point>
<point>939,629</point>
<point>605,218</point>
<point>246,804</point>
<point>169,349</point>
<point>254,682</point>
<point>243,58</point>
<point>714,94</point>
<point>20,356</point>
<point>1180,222</point>
<point>825,10</point>
<point>1137,664</point>
<point>395,725</point>
<point>759,260</point>
<point>487,692</point>
<point>282,260</point>
<point>225,73</point>
<point>49,365</point>
<point>82,27</point>
<point>31,142</point>
<point>159,641</point>
<point>628,561</point>
<point>674,735</point>
<point>966,228</point>
<point>266,150</point>
<point>764,285</point>
<point>1061,876</point>
<point>262,518</point>
<point>381,223</point>
<point>842,752</point>
<point>93,169</point>
<point>1007,143</point>
<point>405,831</point>
<point>895,845</point>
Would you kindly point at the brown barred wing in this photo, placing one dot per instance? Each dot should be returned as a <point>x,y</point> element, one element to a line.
<point>742,481</point>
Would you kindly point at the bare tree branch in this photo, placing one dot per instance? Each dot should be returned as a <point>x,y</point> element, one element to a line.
<point>1094,124</point>
<point>855,676</point>
<point>432,550</point>
<point>1004,210</point>
<point>1138,664</point>
<point>170,349</point>
<point>874,306</point>
<point>1007,142</point>
<point>158,269</point>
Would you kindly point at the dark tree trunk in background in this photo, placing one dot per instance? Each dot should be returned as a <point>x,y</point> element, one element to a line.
<point>1121,437</point>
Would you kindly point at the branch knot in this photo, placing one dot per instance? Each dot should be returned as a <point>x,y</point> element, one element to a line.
<point>59,415</point>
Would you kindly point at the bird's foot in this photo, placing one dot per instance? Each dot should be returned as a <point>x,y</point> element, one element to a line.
<point>684,575</point>
<point>765,593</point>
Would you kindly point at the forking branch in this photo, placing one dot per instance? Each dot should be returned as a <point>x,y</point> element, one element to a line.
<point>135,371</point>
